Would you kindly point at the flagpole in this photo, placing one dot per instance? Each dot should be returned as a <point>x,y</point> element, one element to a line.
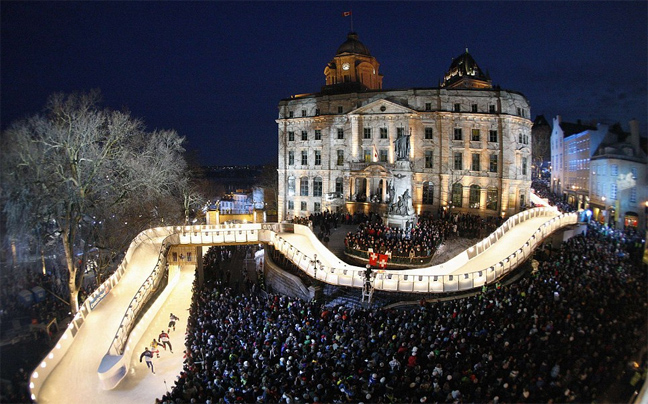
<point>351,19</point>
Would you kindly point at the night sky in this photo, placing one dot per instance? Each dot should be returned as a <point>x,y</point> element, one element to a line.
<point>215,71</point>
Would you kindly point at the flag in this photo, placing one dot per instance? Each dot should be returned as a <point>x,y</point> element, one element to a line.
<point>346,13</point>
<point>375,153</point>
<point>382,261</point>
<point>373,259</point>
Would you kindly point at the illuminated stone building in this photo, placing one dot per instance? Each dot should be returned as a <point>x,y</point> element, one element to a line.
<point>619,180</point>
<point>469,149</point>
<point>572,146</point>
<point>602,169</point>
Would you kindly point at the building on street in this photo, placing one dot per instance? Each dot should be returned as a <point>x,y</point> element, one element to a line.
<point>469,141</point>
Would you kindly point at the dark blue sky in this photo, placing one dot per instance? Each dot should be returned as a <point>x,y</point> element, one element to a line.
<point>215,71</point>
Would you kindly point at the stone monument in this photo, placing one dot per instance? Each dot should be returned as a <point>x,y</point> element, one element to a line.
<point>400,212</point>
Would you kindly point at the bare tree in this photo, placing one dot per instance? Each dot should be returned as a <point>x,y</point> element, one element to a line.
<point>79,167</point>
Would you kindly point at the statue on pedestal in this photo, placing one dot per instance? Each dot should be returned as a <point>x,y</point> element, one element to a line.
<point>402,146</point>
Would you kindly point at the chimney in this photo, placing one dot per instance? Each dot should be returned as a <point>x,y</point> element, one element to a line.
<point>634,134</point>
<point>559,119</point>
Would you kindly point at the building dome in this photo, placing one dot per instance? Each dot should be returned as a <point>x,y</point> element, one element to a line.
<point>464,72</point>
<point>353,45</point>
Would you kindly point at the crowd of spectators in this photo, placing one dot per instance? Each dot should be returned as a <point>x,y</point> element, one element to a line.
<point>421,240</point>
<point>542,189</point>
<point>561,334</point>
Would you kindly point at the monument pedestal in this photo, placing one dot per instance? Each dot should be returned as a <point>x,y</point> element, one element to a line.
<point>401,211</point>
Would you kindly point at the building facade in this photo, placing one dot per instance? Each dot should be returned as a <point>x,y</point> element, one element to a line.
<point>601,169</point>
<point>469,147</point>
<point>619,181</point>
<point>572,147</point>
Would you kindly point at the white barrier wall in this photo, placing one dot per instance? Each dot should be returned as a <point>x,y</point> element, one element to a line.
<point>43,370</point>
<point>434,279</point>
<point>334,271</point>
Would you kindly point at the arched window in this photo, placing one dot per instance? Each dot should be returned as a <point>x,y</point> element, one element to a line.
<point>317,186</point>
<point>428,193</point>
<point>475,192</point>
<point>457,195</point>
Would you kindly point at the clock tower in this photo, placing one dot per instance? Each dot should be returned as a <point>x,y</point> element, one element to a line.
<point>352,69</point>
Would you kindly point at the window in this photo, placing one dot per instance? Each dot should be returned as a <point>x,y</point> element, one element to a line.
<point>491,109</point>
<point>520,138</point>
<point>492,164</point>
<point>317,111</point>
<point>473,107</point>
<point>317,207</point>
<point>339,186</point>
<point>383,133</point>
<point>429,159</point>
<point>291,205</point>
<point>303,186</point>
<point>291,158</point>
<point>457,195</point>
<point>614,170</point>
<point>318,134</point>
<point>633,172</point>
<point>366,133</point>
<point>475,135</point>
<point>340,132</point>
<point>475,166</point>
<point>428,193</point>
<point>429,134</point>
<point>473,199</point>
<point>524,166</point>
<point>428,106</point>
<point>457,134</point>
<point>519,111</point>
<point>317,186</point>
<point>458,161</point>
<point>291,114</point>
<point>291,186</point>
<point>492,136</point>
<point>400,132</point>
<point>366,155</point>
<point>304,206</point>
<point>304,135</point>
<point>340,109</point>
<point>613,192</point>
<point>457,107</point>
<point>304,159</point>
<point>491,199</point>
<point>291,136</point>
<point>303,112</point>
<point>318,157</point>
<point>633,194</point>
<point>383,156</point>
<point>340,157</point>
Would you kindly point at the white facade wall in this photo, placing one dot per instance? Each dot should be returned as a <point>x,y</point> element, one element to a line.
<point>413,111</point>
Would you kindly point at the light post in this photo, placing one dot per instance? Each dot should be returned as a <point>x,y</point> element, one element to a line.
<point>314,262</point>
